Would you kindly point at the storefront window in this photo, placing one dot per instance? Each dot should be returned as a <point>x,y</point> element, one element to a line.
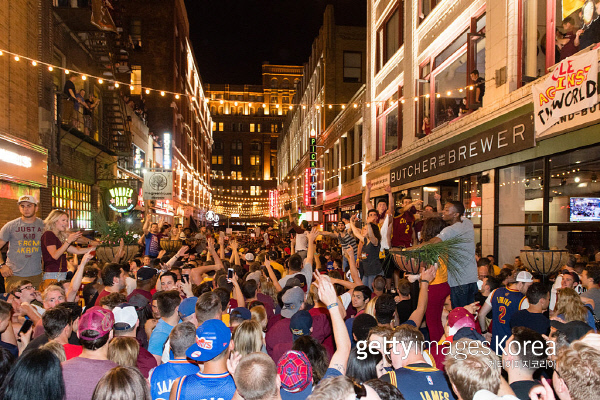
<point>471,197</point>
<point>389,126</point>
<point>574,193</point>
<point>75,198</point>
<point>520,203</point>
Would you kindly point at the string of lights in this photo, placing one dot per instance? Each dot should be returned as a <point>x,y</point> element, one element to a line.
<point>177,95</point>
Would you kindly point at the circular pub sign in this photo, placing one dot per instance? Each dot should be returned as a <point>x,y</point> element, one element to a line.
<point>122,199</point>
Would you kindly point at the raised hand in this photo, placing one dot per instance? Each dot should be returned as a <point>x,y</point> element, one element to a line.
<point>388,189</point>
<point>312,235</point>
<point>182,251</point>
<point>369,185</point>
<point>73,237</point>
<point>325,289</point>
<point>437,196</point>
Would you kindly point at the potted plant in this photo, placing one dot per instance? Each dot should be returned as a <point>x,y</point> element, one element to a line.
<point>118,241</point>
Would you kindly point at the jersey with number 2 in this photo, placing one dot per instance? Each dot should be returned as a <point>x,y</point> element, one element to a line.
<point>505,302</point>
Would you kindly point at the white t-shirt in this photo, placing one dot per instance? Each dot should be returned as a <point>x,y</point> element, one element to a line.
<point>306,271</point>
<point>462,266</point>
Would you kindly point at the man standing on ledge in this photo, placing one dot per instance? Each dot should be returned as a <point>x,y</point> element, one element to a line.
<point>23,235</point>
<point>462,266</point>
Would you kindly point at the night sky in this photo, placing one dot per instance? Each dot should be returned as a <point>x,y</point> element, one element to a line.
<point>231,38</point>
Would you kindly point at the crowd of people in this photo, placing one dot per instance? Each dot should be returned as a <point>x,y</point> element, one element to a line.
<point>295,314</point>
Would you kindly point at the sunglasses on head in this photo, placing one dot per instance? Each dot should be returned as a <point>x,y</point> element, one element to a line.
<point>360,390</point>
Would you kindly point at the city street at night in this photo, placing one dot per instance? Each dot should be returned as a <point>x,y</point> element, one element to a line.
<point>299,200</point>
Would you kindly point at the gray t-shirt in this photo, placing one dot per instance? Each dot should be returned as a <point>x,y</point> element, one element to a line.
<point>24,246</point>
<point>593,294</point>
<point>464,271</point>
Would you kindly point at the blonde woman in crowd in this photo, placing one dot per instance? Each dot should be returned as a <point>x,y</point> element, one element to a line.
<point>124,351</point>
<point>56,241</point>
<point>569,307</point>
<point>248,338</point>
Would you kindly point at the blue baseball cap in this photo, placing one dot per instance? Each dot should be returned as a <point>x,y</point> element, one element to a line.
<point>212,338</point>
<point>300,324</point>
<point>241,312</point>
<point>187,307</point>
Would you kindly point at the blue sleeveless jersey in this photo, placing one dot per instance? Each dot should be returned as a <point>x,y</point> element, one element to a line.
<point>505,303</point>
<point>420,382</point>
<point>163,376</point>
<point>206,387</point>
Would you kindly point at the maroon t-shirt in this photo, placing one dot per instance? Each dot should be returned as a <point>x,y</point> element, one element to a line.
<point>50,264</point>
<point>402,234</point>
<point>144,293</point>
<point>102,294</point>
<point>145,360</point>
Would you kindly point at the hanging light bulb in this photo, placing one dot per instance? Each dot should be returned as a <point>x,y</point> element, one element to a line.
<point>117,84</point>
<point>83,77</point>
<point>34,63</point>
<point>50,68</point>
<point>162,93</point>
<point>177,96</point>
<point>147,91</point>
<point>17,58</point>
<point>100,81</point>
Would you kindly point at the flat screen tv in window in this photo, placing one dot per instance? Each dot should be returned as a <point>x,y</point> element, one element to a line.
<point>584,209</point>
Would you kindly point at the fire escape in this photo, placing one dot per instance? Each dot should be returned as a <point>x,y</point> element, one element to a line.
<point>108,49</point>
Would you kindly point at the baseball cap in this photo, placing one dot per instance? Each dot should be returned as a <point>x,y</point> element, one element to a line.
<point>145,273</point>
<point>249,257</point>
<point>300,324</point>
<point>27,198</point>
<point>295,373</point>
<point>574,330</point>
<point>96,319</point>
<point>254,275</point>
<point>241,312</point>
<point>524,276</point>
<point>298,280</point>
<point>468,333</point>
<point>460,318</point>
<point>125,317</point>
<point>212,338</point>
<point>292,300</point>
<point>187,307</point>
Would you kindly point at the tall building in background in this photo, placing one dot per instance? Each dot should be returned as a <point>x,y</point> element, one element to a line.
<point>247,120</point>
<point>320,150</point>
<point>162,58</point>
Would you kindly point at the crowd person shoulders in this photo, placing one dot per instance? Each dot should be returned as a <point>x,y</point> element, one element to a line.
<point>370,238</point>
<point>504,302</point>
<point>299,266</point>
<point>590,279</point>
<point>211,347</point>
<point>23,235</point>
<point>534,316</point>
<point>82,373</point>
<point>152,236</point>
<point>60,325</point>
<point>382,206</point>
<point>162,377</point>
<point>168,307</point>
<point>462,278</point>
<point>126,325</point>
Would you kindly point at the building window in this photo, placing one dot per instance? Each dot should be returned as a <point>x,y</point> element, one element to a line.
<point>75,198</point>
<point>217,160</point>
<point>285,99</point>
<point>273,99</point>
<point>274,84</point>
<point>136,79</point>
<point>221,127</point>
<point>390,35</point>
<point>236,175</point>
<point>218,145</point>
<point>446,89</point>
<point>254,160</point>
<point>136,33</point>
<point>237,145</point>
<point>252,127</point>
<point>236,160</point>
<point>274,128</point>
<point>255,146</point>
<point>352,66</point>
<point>285,84</point>
<point>425,8</point>
<point>389,125</point>
<point>254,190</point>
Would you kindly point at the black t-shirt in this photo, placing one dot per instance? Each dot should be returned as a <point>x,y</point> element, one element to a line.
<point>590,35</point>
<point>404,309</point>
<point>537,322</point>
<point>480,83</point>
<point>522,388</point>
<point>69,85</point>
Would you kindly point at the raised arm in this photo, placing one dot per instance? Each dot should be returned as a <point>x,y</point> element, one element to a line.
<point>147,221</point>
<point>391,203</point>
<point>272,275</point>
<point>355,230</point>
<point>371,236</point>
<point>75,283</point>
<point>342,341</point>
<point>310,254</point>
<point>368,202</point>
<point>179,254</point>
<point>235,252</point>
<point>237,292</point>
<point>427,275</point>
<point>211,250</point>
<point>438,202</point>
<point>352,263</point>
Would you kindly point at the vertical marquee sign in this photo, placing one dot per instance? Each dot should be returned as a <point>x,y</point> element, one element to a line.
<point>312,170</point>
<point>167,150</point>
<point>274,203</point>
